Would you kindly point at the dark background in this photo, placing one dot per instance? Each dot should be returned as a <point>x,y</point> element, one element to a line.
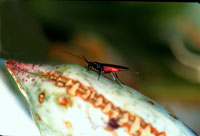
<point>161,41</point>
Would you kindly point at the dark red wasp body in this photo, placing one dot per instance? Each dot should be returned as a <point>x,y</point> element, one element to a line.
<point>103,67</point>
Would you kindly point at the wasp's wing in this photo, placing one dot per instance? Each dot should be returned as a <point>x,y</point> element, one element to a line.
<point>116,66</point>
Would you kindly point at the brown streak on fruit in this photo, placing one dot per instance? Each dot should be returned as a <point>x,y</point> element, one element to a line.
<point>37,117</point>
<point>63,101</point>
<point>113,123</point>
<point>173,116</point>
<point>133,124</point>
<point>68,124</point>
<point>60,84</point>
<point>41,97</point>
<point>150,102</point>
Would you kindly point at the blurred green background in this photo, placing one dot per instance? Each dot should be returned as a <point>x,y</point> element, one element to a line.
<point>161,41</point>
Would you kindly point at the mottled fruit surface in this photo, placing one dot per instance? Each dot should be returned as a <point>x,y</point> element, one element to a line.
<point>68,100</point>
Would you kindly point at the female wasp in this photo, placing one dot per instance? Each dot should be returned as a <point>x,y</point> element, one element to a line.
<point>103,67</point>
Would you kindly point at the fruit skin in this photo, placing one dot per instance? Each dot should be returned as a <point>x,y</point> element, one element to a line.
<point>68,100</point>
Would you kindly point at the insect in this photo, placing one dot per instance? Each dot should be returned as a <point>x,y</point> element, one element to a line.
<point>103,67</point>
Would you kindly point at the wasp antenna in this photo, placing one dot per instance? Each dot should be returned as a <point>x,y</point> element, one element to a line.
<point>85,59</point>
<point>73,55</point>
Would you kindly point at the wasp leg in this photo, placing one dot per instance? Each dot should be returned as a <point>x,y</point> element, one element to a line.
<point>113,76</point>
<point>88,67</point>
<point>104,73</point>
<point>99,74</point>
<point>118,78</point>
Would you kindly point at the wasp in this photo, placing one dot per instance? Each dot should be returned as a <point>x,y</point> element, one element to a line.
<point>103,67</point>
